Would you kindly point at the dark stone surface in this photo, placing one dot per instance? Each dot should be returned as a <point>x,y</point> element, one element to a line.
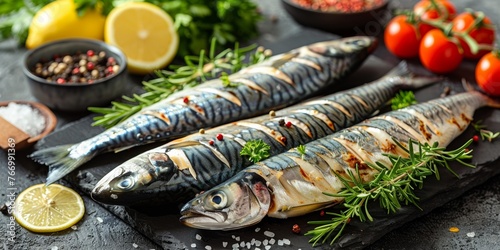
<point>471,203</point>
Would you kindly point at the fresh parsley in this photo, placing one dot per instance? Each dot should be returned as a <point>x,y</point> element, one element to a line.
<point>256,150</point>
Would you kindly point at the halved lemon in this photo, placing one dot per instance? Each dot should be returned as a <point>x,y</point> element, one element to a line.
<point>145,33</point>
<point>46,209</point>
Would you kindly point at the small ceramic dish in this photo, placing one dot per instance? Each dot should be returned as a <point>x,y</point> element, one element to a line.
<point>13,137</point>
<point>75,96</point>
<point>342,23</point>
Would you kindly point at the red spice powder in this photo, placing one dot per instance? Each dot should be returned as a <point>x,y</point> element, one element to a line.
<point>346,6</point>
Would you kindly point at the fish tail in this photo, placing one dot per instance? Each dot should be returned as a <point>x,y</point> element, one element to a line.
<point>491,101</point>
<point>408,79</point>
<point>59,161</point>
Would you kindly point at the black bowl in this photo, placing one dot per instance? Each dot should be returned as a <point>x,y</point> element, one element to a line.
<point>75,97</point>
<point>342,23</point>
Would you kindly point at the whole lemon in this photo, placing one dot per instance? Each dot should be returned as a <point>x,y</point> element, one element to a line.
<point>59,20</point>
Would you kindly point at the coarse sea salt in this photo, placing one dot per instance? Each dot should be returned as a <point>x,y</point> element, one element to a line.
<point>24,117</point>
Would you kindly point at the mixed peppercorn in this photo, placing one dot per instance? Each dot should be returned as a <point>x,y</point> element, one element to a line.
<point>79,68</point>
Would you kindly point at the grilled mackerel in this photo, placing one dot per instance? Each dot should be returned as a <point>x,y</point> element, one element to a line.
<point>279,81</point>
<point>291,184</point>
<point>172,174</point>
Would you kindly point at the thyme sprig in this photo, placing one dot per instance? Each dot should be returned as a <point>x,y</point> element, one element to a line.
<point>196,70</point>
<point>483,132</point>
<point>392,187</point>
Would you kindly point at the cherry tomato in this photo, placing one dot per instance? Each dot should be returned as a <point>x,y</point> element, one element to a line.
<point>488,73</point>
<point>402,36</point>
<point>438,53</point>
<point>483,33</point>
<point>443,9</point>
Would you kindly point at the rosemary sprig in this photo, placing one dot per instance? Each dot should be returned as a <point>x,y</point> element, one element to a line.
<point>403,99</point>
<point>483,132</point>
<point>197,70</point>
<point>392,187</point>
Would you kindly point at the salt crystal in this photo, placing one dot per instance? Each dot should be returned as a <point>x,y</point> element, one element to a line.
<point>272,241</point>
<point>198,237</point>
<point>207,247</point>
<point>114,196</point>
<point>286,241</point>
<point>193,245</point>
<point>280,242</point>
<point>224,244</point>
<point>258,243</point>
<point>237,238</point>
<point>471,234</point>
<point>265,242</point>
<point>54,248</point>
<point>135,245</point>
<point>74,227</point>
<point>235,245</point>
<point>268,247</point>
<point>242,244</point>
<point>24,117</point>
<point>99,219</point>
<point>257,229</point>
<point>249,245</point>
<point>233,236</point>
<point>269,234</point>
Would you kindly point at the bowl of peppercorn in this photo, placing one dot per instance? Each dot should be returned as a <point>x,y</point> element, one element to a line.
<point>74,74</point>
<point>342,17</point>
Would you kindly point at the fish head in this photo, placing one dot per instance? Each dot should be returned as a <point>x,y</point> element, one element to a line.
<point>128,183</point>
<point>357,46</point>
<point>241,201</point>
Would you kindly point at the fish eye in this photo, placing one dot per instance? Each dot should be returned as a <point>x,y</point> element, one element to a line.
<point>218,200</point>
<point>127,183</point>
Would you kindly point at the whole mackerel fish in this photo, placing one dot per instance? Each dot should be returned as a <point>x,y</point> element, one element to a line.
<point>280,81</point>
<point>174,173</point>
<point>292,184</point>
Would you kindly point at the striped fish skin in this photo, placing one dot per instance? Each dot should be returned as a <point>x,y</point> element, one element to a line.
<point>291,184</point>
<point>280,81</point>
<point>174,173</point>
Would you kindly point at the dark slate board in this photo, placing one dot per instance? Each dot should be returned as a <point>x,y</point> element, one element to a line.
<point>169,233</point>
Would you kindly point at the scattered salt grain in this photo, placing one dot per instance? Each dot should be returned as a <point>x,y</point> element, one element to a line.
<point>99,219</point>
<point>24,117</point>
<point>272,241</point>
<point>268,247</point>
<point>265,242</point>
<point>249,245</point>
<point>280,242</point>
<point>286,241</point>
<point>258,243</point>
<point>471,234</point>
<point>207,247</point>
<point>198,237</point>
<point>237,238</point>
<point>224,244</point>
<point>193,245</point>
<point>242,244</point>
<point>235,246</point>
<point>54,248</point>
<point>135,245</point>
<point>74,227</point>
<point>257,229</point>
<point>269,234</point>
<point>114,196</point>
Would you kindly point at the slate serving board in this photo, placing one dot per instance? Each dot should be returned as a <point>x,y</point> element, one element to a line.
<point>170,234</point>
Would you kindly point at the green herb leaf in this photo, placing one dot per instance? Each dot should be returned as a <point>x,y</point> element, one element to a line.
<point>403,99</point>
<point>256,150</point>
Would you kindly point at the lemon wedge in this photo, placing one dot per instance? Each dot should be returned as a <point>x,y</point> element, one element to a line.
<point>46,209</point>
<point>59,20</point>
<point>145,33</point>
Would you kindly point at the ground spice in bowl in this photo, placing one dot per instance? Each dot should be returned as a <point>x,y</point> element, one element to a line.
<point>344,6</point>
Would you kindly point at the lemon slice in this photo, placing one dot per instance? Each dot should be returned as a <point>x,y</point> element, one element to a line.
<point>46,209</point>
<point>145,33</point>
